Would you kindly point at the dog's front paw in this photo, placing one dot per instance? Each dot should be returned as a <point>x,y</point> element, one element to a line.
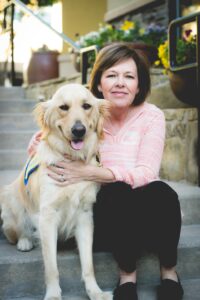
<point>102,296</point>
<point>24,244</point>
<point>106,296</point>
<point>53,293</point>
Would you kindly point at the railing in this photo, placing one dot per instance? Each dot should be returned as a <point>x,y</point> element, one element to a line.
<point>174,33</point>
<point>84,52</point>
<point>9,28</point>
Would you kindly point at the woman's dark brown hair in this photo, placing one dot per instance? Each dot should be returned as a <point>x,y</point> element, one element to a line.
<point>114,53</point>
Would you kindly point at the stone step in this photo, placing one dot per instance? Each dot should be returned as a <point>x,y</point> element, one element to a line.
<point>12,159</point>
<point>20,121</point>
<point>191,292</point>
<point>11,93</point>
<point>22,273</point>
<point>189,196</point>
<point>19,106</point>
<point>15,139</point>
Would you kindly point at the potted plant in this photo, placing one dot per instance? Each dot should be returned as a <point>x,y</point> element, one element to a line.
<point>39,2</point>
<point>183,82</point>
<point>144,40</point>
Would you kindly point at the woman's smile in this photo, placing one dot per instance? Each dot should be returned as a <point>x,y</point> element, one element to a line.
<point>119,93</point>
<point>120,82</point>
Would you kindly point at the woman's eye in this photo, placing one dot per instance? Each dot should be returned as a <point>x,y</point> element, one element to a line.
<point>64,107</point>
<point>130,76</point>
<point>111,75</point>
<point>86,106</point>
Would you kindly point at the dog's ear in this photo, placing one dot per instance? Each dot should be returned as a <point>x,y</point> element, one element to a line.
<point>41,113</point>
<point>104,113</point>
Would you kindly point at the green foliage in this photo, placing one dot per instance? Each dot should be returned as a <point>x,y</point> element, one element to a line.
<point>39,2</point>
<point>128,31</point>
<point>185,51</point>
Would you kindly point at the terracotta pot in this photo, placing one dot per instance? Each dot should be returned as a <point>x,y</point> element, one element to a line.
<point>43,65</point>
<point>149,52</point>
<point>184,86</point>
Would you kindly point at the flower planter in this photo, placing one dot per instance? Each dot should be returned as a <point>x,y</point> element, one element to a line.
<point>149,52</point>
<point>184,86</point>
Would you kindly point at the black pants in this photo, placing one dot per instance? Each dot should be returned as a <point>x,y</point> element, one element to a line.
<point>128,221</point>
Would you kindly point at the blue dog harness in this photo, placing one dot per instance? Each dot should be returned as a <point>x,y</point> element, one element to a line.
<point>31,166</point>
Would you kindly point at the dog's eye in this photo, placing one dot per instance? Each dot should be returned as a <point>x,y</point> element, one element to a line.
<point>64,107</point>
<point>86,106</point>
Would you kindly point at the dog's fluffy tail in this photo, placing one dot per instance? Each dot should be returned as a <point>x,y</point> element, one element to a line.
<point>3,192</point>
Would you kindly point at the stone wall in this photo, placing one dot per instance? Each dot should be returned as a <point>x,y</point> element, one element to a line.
<point>180,153</point>
<point>180,159</point>
<point>44,90</point>
<point>156,12</point>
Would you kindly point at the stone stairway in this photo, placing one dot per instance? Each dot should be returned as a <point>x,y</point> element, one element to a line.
<point>21,274</point>
<point>16,127</point>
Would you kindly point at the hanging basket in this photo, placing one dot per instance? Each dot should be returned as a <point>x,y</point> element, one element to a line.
<point>184,85</point>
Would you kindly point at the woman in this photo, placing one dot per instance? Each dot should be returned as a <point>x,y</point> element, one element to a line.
<point>135,211</point>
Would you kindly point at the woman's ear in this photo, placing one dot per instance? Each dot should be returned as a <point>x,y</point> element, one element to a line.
<point>99,88</point>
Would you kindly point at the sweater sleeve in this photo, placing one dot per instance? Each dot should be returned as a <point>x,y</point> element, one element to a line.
<point>148,158</point>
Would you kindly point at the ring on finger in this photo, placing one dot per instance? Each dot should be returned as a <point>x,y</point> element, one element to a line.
<point>62,178</point>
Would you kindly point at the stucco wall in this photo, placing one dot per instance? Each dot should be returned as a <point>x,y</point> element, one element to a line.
<point>80,17</point>
<point>113,4</point>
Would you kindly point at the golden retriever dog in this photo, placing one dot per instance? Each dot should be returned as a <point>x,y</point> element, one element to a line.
<point>71,123</point>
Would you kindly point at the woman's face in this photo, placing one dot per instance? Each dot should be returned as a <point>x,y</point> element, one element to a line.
<point>119,83</point>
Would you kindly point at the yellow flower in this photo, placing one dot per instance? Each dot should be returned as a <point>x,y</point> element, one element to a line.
<point>157,63</point>
<point>190,38</point>
<point>34,2</point>
<point>142,31</point>
<point>109,27</point>
<point>163,54</point>
<point>127,25</point>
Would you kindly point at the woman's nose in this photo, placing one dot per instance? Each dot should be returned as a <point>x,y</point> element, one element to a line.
<point>120,80</point>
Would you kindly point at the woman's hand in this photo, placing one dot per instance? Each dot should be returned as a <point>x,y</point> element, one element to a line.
<point>65,173</point>
<point>34,142</point>
<point>69,172</point>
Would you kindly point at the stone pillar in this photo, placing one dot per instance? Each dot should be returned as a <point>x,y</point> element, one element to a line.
<point>180,153</point>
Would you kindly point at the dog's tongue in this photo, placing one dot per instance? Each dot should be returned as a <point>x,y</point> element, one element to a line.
<point>77,145</point>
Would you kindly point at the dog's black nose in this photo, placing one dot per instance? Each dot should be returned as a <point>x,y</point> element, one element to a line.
<point>78,130</point>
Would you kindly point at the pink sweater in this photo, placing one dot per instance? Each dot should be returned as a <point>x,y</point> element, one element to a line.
<point>134,154</point>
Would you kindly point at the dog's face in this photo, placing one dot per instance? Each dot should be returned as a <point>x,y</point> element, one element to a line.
<point>73,113</point>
